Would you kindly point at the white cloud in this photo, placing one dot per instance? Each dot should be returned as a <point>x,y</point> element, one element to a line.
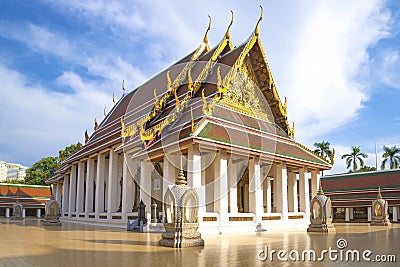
<point>37,123</point>
<point>388,69</point>
<point>322,81</point>
<point>316,51</point>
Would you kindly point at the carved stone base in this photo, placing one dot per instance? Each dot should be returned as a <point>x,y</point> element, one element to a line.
<point>51,221</point>
<point>17,218</point>
<point>380,222</point>
<point>181,237</point>
<point>321,228</point>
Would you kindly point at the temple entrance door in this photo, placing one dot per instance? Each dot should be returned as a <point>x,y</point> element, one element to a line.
<point>243,192</point>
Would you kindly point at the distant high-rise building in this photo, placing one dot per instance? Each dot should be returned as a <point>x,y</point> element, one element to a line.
<point>12,171</point>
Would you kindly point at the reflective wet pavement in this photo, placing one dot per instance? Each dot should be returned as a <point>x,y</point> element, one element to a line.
<point>26,243</point>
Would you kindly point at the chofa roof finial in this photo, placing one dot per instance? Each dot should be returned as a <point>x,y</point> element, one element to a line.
<point>123,87</point>
<point>228,34</point>
<point>260,19</point>
<point>205,39</point>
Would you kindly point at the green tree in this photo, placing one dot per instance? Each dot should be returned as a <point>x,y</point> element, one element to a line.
<point>391,154</point>
<point>42,170</point>
<point>365,168</point>
<point>323,149</point>
<point>355,156</point>
<point>68,151</point>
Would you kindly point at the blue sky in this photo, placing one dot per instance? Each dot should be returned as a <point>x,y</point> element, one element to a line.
<point>337,62</point>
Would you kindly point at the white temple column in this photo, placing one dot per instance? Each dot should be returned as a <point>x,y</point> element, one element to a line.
<point>89,186</point>
<point>72,189</point>
<point>233,180</point>
<point>347,214</point>
<point>267,194</point>
<point>23,213</point>
<point>255,189</point>
<point>57,192</point>
<point>145,185</point>
<point>65,198</point>
<point>369,210</point>
<point>395,213</point>
<point>221,186</point>
<point>127,188</point>
<point>7,213</point>
<point>38,213</point>
<point>304,192</point>
<point>99,194</point>
<point>112,185</point>
<point>282,199</point>
<point>351,213</point>
<point>80,187</point>
<point>292,192</point>
<point>168,173</point>
<point>315,178</point>
<point>194,178</point>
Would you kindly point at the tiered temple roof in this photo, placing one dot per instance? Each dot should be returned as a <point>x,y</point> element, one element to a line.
<point>196,99</point>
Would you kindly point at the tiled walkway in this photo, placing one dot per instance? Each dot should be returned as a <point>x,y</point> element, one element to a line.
<point>26,243</point>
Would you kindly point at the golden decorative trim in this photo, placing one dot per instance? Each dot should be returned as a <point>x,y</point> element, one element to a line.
<point>191,114</point>
<point>312,152</point>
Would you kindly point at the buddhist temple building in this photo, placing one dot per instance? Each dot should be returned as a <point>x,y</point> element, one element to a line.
<point>218,110</point>
<point>31,197</point>
<point>352,194</point>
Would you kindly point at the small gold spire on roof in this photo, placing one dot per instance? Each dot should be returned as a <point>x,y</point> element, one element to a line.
<point>228,34</point>
<point>260,19</point>
<point>205,39</point>
<point>379,193</point>
<point>332,157</point>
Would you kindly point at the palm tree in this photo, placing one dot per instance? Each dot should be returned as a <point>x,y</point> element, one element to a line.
<point>390,154</point>
<point>354,156</point>
<point>323,149</point>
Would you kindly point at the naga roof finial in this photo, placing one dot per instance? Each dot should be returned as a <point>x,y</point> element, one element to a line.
<point>228,34</point>
<point>104,111</point>
<point>96,125</point>
<point>260,19</point>
<point>123,87</point>
<point>205,39</point>
<point>113,99</point>
<point>86,137</point>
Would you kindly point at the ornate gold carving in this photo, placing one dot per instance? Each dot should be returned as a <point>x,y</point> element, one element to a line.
<point>191,114</point>
<point>291,131</point>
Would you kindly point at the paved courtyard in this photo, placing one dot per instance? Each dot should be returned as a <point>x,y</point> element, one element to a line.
<point>26,243</point>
